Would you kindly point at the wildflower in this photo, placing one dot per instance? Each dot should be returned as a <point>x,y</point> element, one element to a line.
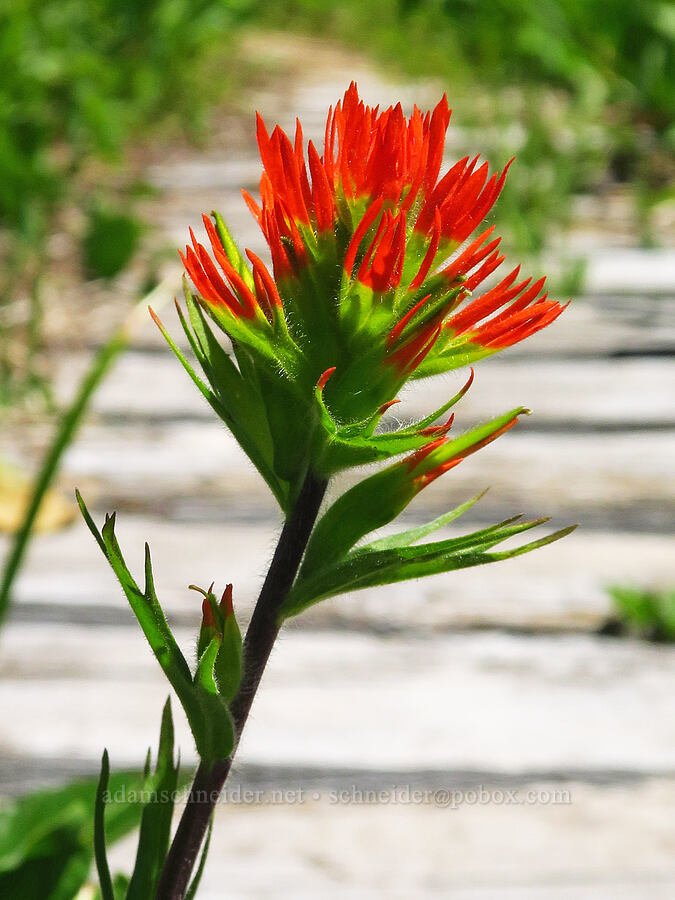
<point>374,272</point>
<point>374,281</point>
<point>369,273</point>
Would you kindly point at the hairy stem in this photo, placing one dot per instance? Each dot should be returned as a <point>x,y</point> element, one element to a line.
<point>260,637</point>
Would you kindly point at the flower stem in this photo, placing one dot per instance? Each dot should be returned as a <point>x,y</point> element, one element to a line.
<point>260,637</point>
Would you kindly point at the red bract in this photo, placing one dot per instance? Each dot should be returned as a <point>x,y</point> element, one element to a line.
<point>437,457</point>
<point>370,275</point>
<point>371,155</point>
<point>237,297</point>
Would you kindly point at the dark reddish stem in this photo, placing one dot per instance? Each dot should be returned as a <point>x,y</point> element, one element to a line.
<point>260,637</point>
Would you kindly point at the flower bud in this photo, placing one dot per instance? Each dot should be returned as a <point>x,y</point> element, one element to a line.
<point>229,659</point>
<point>219,621</point>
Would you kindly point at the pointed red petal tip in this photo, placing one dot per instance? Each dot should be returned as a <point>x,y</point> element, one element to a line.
<point>321,383</point>
<point>397,330</point>
<point>463,391</point>
<point>425,478</point>
<point>385,406</point>
<point>226,601</point>
<point>438,429</point>
<point>208,620</point>
<point>155,318</point>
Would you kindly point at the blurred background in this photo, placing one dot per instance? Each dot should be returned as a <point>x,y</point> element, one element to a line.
<point>548,678</point>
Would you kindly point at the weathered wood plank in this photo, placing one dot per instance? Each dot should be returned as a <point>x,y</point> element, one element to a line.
<point>586,392</point>
<point>561,586</point>
<point>194,471</point>
<point>487,702</point>
<point>614,844</point>
<point>591,849</point>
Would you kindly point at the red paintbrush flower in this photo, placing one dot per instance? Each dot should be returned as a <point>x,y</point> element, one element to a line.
<point>370,275</point>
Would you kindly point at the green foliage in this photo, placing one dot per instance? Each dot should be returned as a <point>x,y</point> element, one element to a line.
<point>229,662</point>
<point>380,498</point>
<point>206,711</point>
<point>155,831</point>
<point>85,76</point>
<point>237,400</point>
<point>344,446</point>
<point>100,851</point>
<point>79,81</point>
<point>159,795</point>
<point>390,560</point>
<point>646,614</point>
<point>47,838</point>
<point>111,240</point>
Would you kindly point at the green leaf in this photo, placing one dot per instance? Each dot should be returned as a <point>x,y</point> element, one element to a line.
<point>155,831</point>
<point>412,535</point>
<point>228,668</point>
<point>430,419</point>
<point>180,356</point>
<point>343,452</point>
<point>648,614</point>
<point>111,240</point>
<point>210,725</point>
<point>56,877</point>
<point>73,876</point>
<point>204,674</point>
<point>44,822</point>
<point>455,357</point>
<point>346,448</point>
<point>355,444</point>
<point>120,886</point>
<point>367,568</point>
<point>378,499</point>
<point>65,433</point>
<point>234,401</point>
<point>100,853</point>
<point>232,251</point>
<point>237,390</point>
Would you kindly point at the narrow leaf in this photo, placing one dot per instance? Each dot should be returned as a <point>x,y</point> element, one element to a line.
<point>155,830</point>
<point>100,854</point>
<point>534,545</point>
<point>66,431</point>
<point>180,356</point>
<point>430,419</point>
<point>232,251</point>
<point>368,568</point>
<point>244,415</point>
<point>412,535</point>
<point>150,616</point>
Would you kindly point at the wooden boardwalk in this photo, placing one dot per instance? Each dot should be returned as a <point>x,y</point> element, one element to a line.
<point>491,679</point>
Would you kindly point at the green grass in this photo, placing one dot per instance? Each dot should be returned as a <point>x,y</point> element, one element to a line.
<point>645,614</point>
<point>82,80</point>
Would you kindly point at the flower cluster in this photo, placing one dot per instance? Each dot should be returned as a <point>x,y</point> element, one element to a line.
<point>362,241</point>
<point>375,269</point>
